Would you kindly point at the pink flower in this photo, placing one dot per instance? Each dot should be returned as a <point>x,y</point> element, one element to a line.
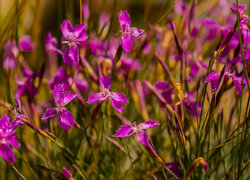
<point>115,98</point>
<point>73,37</point>
<point>50,43</point>
<point>7,138</point>
<point>128,130</point>
<point>66,118</point>
<point>66,173</point>
<point>26,44</point>
<point>128,33</point>
<point>215,77</point>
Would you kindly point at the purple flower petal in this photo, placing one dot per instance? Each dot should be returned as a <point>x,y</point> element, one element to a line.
<point>67,29</point>
<point>162,85</point>
<point>126,42</point>
<point>66,119</point>
<point>136,32</point>
<point>212,76</point>
<point>96,97</point>
<point>116,104</point>
<point>58,94</point>
<point>61,77</point>
<point>143,138</point>
<point>66,173</point>
<point>4,121</point>
<point>7,153</point>
<point>71,55</point>
<point>80,32</point>
<point>9,62</point>
<point>105,82</point>
<point>81,84</point>
<point>124,131</point>
<point>148,124</point>
<point>119,97</point>
<point>85,11</point>
<point>68,97</point>
<point>50,112</point>
<point>124,19</point>
<point>238,82</point>
<point>175,167</point>
<point>26,44</point>
<point>12,140</point>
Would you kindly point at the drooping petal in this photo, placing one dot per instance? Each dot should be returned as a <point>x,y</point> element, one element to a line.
<point>124,19</point>
<point>7,153</point>
<point>50,112</point>
<point>80,32</point>
<point>143,138</point>
<point>68,97</point>
<point>105,82</point>
<point>126,42</point>
<point>136,32</point>
<point>124,131</point>
<point>26,44</point>
<point>238,82</point>
<point>71,55</point>
<point>67,29</point>
<point>119,97</point>
<point>116,104</point>
<point>214,79</point>
<point>148,124</point>
<point>96,97</point>
<point>66,119</point>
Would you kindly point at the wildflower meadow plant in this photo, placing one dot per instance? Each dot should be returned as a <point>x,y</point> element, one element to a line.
<point>62,98</point>
<point>112,67</point>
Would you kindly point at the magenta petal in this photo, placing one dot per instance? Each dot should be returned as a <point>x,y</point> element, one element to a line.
<point>26,44</point>
<point>68,97</point>
<point>67,29</point>
<point>124,131</point>
<point>116,104</point>
<point>71,55</point>
<point>143,138</point>
<point>238,82</point>
<point>126,42</point>
<point>136,32</point>
<point>96,97</point>
<point>119,97</point>
<point>212,76</point>
<point>80,32</point>
<point>149,124</point>
<point>4,121</point>
<point>124,19</point>
<point>105,82</point>
<point>66,173</point>
<point>9,62</point>
<point>58,94</point>
<point>66,119</point>
<point>12,140</point>
<point>81,84</point>
<point>7,153</point>
<point>50,112</point>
